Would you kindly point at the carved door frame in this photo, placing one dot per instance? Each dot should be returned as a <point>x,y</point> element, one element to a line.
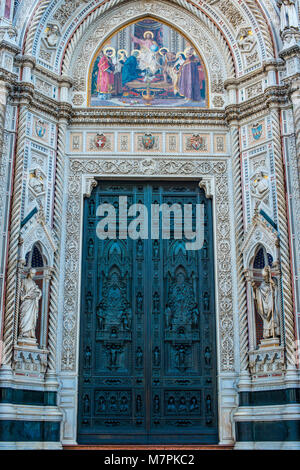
<point>214,177</point>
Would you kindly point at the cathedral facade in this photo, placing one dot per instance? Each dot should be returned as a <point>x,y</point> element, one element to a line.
<point>141,340</point>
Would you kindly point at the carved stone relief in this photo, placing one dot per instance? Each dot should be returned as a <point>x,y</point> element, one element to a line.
<point>135,167</point>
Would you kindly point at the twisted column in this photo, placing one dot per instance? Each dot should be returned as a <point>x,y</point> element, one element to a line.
<point>288,312</point>
<point>13,251</point>
<point>239,230</point>
<point>3,99</point>
<point>295,97</point>
<point>57,226</point>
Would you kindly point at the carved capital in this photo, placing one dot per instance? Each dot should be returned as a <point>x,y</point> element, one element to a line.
<point>89,184</point>
<point>207,184</point>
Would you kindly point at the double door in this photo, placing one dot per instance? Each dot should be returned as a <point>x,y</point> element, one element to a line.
<point>147,336</point>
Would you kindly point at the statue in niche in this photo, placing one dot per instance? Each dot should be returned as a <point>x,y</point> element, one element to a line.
<point>87,357</point>
<point>204,248</point>
<point>171,405</point>
<point>139,356</point>
<point>100,316</point>
<point>155,302</point>
<point>288,15</point>
<point>36,181</point>
<point>124,320</point>
<point>156,356</point>
<point>29,309</point>
<point>139,303</point>
<point>155,250</point>
<point>91,248</point>
<point>113,350</point>
<point>124,404</point>
<point>156,403</point>
<point>265,297</point>
<point>92,208</point>
<point>126,317</point>
<point>138,404</point>
<point>168,316</point>
<point>89,301</point>
<point>101,404</point>
<point>181,356</point>
<point>113,403</point>
<point>86,404</point>
<point>195,316</point>
<point>194,404</point>
<point>182,404</point>
<point>206,301</point>
<point>140,248</point>
<point>207,356</point>
<point>208,404</point>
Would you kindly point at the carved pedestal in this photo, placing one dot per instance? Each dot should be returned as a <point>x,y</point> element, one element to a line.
<point>29,360</point>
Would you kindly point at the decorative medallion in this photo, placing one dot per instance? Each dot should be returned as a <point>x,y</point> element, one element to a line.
<point>100,141</point>
<point>148,141</point>
<point>40,128</point>
<point>257,131</point>
<point>197,142</point>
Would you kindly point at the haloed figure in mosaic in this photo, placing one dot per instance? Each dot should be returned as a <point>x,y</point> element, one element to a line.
<point>148,70</point>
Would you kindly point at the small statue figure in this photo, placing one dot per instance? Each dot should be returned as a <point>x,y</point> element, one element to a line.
<point>91,248</point>
<point>139,303</point>
<point>156,403</point>
<point>87,357</point>
<point>207,356</point>
<point>195,316</point>
<point>101,404</point>
<point>100,317</point>
<point>206,301</point>
<point>124,320</point>
<point>288,15</point>
<point>168,316</point>
<point>182,404</point>
<point>113,403</point>
<point>138,403</point>
<point>129,315</point>
<point>155,302</point>
<point>156,356</point>
<point>208,404</point>
<point>89,301</point>
<point>86,404</point>
<point>124,404</point>
<point>181,356</point>
<point>155,250</point>
<point>29,309</point>
<point>171,405</point>
<point>114,349</point>
<point>194,404</point>
<point>265,297</point>
<point>140,249</point>
<point>139,357</point>
<point>92,208</point>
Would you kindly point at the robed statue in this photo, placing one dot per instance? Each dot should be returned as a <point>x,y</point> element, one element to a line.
<point>29,309</point>
<point>265,296</point>
<point>288,15</point>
